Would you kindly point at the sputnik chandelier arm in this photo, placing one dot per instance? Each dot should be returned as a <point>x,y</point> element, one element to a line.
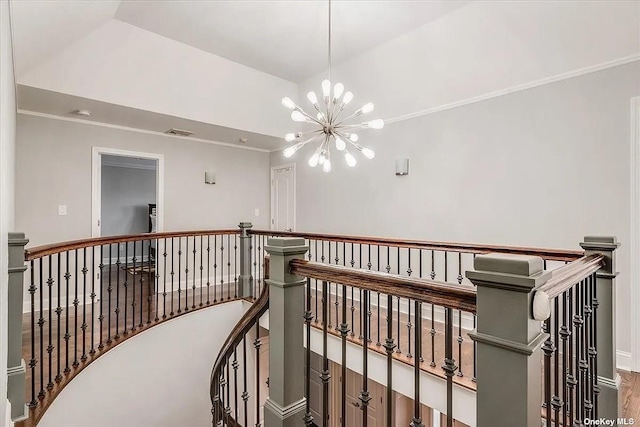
<point>326,117</point>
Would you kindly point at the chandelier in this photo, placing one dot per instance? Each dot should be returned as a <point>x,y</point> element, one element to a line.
<point>330,127</point>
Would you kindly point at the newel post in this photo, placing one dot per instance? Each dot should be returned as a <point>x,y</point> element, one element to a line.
<point>16,367</point>
<point>509,382</point>
<point>286,403</point>
<point>245,278</point>
<point>605,312</point>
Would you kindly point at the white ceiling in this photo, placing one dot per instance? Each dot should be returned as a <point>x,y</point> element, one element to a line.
<point>285,38</point>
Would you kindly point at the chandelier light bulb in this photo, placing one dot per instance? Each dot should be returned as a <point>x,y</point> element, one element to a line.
<point>353,137</point>
<point>348,97</point>
<point>368,153</point>
<point>367,108</point>
<point>338,89</point>
<point>311,96</point>
<point>320,116</point>
<point>288,103</point>
<point>326,89</point>
<point>297,116</point>
<point>326,167</point>
<point>321,159</point>
<point>374,124</point>
<point>290,151</point>
<point>340,144</point>
<point>313,160</point>
<point>351,161</point>
<point>291,136</point>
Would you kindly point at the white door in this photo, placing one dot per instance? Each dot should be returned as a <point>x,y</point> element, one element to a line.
<point>283,198</point>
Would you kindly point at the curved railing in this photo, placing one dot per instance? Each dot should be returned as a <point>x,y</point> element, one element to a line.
<point>87,296</point>
<point>221,381</point>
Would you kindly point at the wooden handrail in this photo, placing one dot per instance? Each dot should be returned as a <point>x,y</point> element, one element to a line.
<point>547,254</point>
<point>246,322</point>
<point>54,248</point>
<point>563,279</point>
<point>459,297</point>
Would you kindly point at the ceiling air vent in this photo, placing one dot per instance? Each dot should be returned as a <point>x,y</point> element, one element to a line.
<point>179,132</point>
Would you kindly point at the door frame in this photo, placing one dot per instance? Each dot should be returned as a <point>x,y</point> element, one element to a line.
<point>96,185</point>
<point>635,232</point>
<point>273,205</point>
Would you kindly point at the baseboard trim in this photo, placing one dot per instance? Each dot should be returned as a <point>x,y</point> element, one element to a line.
<point>623,360</point>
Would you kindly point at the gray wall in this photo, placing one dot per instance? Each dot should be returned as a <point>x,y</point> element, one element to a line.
<point>126,193</point>
<point>7,176</point>
<point>541,167</point>
<point>53,162</point>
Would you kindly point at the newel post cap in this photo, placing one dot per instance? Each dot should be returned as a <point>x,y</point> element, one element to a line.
<point>508,271</point>
<point>286,246</point>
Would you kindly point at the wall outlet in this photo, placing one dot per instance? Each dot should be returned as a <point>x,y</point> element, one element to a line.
<point>256,212</point>
<point>62,209</point>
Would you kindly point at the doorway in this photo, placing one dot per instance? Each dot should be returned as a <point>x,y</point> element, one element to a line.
<point>283,197</point>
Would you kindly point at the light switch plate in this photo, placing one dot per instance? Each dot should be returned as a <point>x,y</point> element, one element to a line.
<point>62,209</point>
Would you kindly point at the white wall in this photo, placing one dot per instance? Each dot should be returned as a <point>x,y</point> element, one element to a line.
<point>149,380</point>
<point>143,70</point>
<point>541,167</point>
<point>54,167</point>
<point>7,184</point>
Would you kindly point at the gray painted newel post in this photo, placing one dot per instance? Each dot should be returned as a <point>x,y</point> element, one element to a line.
<point>509,384</point>
<point>286,403</point>
<point>605,304</point>
<point>16,367</point>
<point>245,279</point>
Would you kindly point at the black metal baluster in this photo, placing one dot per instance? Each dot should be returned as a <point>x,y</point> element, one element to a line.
<point>449,366</point>
<point>172,275</point>
<point>33,361</point>
<point>547,349</point>
<point>389,346</point>
<point>164,278</point>
<point>316,320</point>
<point>141,324</point>
<point>229,266</point>
<point>433,271</point>
<point>577,324</point>
<point>556,403</point>
<point>589,349</point>
<point>84,306</point>
<point>353,309</point>
<point>325,376</point>
<point>118,294</point>
<point>417,418</point>
<point>234,365</point>
<point>186,274</point>
<point>125,330</point>
<point>328,296</point>
<point>594,329</point>
<point>360,336</point>
<point>433,334</point>
<point>235,267</point>
<point>365,397</point>
<point>133,289</point>
<point>571,381</point>
<point>75,315</point>
<point>209,269</point>
<point>378,343</point>
<point>460,340</point>
<point>308,316</point>
<point>179,274</point>
<point>221,267</point>
<point>109,289</point>
<point>156,279</point>
<point>256,345</point>
<point>50,346</point>
<point>93,300</point>
<point>152,286</point>
<point>564,336</point>
<point>583,351</point>
<point>67,335</point>
<point>41,323</point>
<point>215,269</point>
<point>201,275</point>
<point>228,399</point>
<point>245,392</point>
<point>193,296</point>
<point>344,330</point>
<point>409,325</point>
<point>59,312</point>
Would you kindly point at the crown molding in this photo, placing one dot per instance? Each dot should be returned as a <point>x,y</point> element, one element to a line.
<point>518,88</point>
<point>137,130</point>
